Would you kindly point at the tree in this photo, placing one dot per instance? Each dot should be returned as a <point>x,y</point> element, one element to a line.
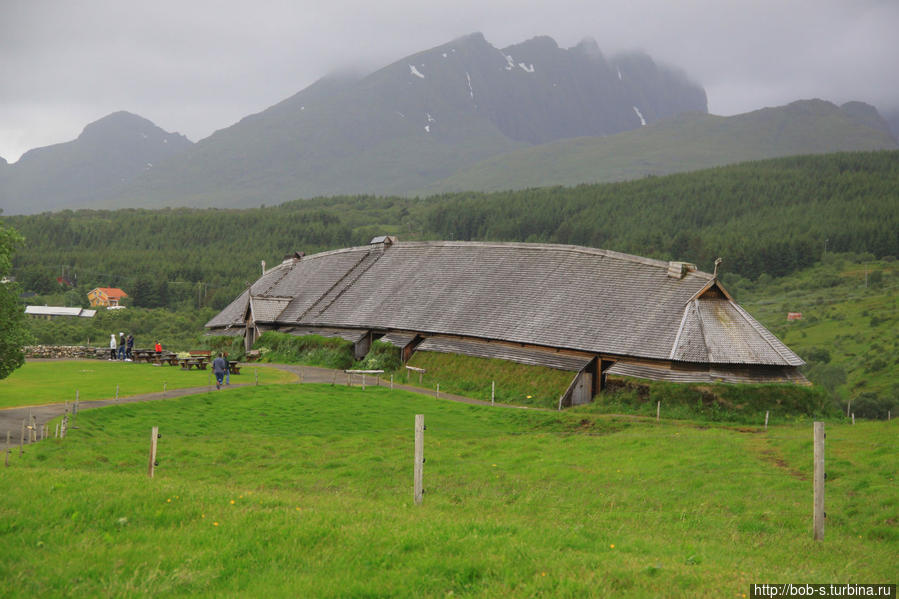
<point>13,330</point>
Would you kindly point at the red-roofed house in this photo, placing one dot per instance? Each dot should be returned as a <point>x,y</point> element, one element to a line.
<point>106,296</point>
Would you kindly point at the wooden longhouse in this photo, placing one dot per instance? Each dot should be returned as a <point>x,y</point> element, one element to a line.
<point>589,311</point>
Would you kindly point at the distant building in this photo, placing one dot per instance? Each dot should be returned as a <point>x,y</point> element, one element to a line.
<point>49,312</point>
<point>106,296</point>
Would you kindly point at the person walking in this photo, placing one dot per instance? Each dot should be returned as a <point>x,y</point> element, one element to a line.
<point>129,348</point>
<point>122,346</point>
<point>219,367</point>
<point>112,346</point>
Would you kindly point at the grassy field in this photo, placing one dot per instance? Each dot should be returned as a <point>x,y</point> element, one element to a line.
<point>38,383</point>
<point>306,491</point>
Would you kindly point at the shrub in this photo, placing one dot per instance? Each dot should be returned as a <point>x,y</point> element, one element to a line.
<point>329,352</point>
<point>816,354</point>
<point>871,405</point>
<point>381,356</point>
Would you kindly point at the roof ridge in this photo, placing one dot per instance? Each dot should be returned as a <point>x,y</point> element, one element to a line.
<point>548,246</point>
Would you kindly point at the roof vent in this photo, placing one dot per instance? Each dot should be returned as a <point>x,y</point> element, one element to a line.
<point>677,270</point>
<point>292,257</point>
<point>384,239</point>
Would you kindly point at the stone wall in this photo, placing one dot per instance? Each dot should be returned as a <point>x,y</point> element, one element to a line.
<point>69,352</point>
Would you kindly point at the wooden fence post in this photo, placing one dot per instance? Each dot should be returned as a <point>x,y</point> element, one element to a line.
<point>391,382</point>
<point>117,392</point>
<point>154,435</point>
<point>492,392</point>
<point>22,440</point>
<point>438,390</point>
<point>818,519</point>
<point>658,411</point>
<point>766,419</point>
<point>419,457</point>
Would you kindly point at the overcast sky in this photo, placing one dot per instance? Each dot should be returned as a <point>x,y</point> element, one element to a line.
<point>196,66</point>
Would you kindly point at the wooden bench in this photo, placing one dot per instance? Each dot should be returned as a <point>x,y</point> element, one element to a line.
<point>233,367</point>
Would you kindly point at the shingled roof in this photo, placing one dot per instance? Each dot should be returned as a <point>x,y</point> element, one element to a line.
<point>556,296</point>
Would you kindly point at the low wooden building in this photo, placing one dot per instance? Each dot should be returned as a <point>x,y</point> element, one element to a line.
<point>49,312</point>
<point>586,310</point>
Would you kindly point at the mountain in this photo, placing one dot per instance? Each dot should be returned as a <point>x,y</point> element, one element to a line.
<point>107,155</point>
<point>418,120</point>
<point>682,143</point>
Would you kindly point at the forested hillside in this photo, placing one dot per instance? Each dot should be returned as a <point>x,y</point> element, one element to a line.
<point>769,217</point>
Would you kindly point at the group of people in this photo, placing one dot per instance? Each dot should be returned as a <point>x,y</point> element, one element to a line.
<point>123,348</point>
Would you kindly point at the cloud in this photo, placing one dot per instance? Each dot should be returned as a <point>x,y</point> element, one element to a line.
<point>198,66</point>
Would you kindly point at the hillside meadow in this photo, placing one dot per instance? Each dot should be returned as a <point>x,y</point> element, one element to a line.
<point>306,490</point>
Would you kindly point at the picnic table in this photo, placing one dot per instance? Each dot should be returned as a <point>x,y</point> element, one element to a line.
<point>233,367</point>
<point>143,355</point>
<point>188,363</point>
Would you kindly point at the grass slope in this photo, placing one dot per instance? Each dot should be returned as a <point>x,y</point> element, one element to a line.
<point>850,314</point>
<point>684,143</point>
<point>306,491</point>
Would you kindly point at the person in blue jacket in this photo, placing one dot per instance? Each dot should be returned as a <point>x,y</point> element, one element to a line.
<point>219,367</point>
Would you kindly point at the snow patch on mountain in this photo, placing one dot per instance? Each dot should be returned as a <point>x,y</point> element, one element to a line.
<point>415,71</point>
<point>527,68</point>
<point>640,115</point>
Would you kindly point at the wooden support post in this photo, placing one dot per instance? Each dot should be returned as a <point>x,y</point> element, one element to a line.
<point>77,397</point>
<point>438,391</point>
<point>363,382</point>
<point>256,375</point>
<point>658,411</point>
<point>391,382</point>
<point>154,435</point>
<point>419,457</point>
<point>117,392</point>
<point>766,419</point>
<point>57,431</point>
<point>165,387</point>
<point>818,519</point>
<point>492,392</point>
<point>853,418</point>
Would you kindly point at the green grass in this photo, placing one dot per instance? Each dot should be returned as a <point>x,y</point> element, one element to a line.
<point>38,383</point>
<point>307,491</point>
<point>518,384</point>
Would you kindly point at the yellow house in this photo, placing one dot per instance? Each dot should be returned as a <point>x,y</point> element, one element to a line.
<point>106,296</point>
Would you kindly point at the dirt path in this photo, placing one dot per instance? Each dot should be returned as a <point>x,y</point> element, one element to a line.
<point>11,418</point>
